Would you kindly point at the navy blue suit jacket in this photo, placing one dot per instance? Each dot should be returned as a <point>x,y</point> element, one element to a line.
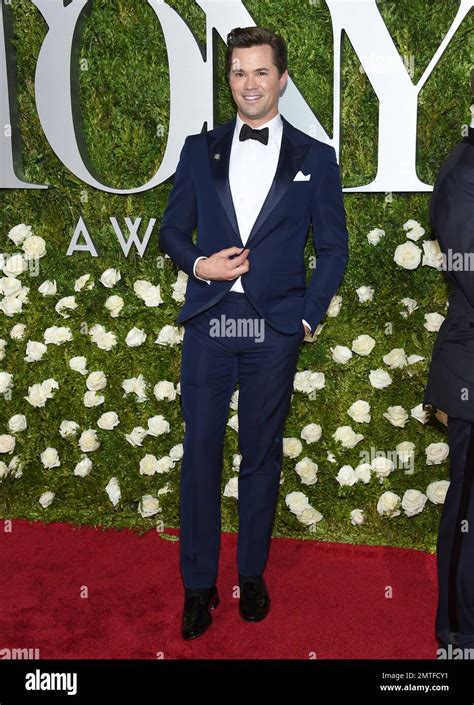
<point>276,280</point>
<point>450,385</point>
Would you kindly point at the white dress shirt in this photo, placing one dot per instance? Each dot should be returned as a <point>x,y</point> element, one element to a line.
<point>252,168</point>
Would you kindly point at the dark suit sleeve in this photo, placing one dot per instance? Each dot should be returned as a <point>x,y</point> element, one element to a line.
<point>330,239</point>
<point>180,219</point>
<point>452,219</point>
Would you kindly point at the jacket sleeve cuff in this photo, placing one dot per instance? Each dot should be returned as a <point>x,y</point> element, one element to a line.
<point>194,270</point>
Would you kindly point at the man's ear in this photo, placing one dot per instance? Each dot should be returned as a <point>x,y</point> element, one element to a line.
<point>283,79</point>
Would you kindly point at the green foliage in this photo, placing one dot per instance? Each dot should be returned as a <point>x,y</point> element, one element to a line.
<point>122,71</point>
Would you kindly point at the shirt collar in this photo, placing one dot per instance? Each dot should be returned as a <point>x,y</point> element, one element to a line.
<point>275,127</point>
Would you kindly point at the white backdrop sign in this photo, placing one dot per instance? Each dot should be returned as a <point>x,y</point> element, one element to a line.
<point>191,84</point>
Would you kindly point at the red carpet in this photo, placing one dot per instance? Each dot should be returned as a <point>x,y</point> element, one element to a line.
<point>328,599</point>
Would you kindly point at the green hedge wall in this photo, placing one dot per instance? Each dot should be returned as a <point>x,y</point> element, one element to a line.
<point>123,78</point>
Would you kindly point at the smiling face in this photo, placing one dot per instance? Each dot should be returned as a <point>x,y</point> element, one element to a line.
<point>255,84</point>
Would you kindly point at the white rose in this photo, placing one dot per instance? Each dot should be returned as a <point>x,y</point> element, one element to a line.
<point>50,458</point>
<point>236,460</point>
<point>88,440</point>
<point>234,400</point>
<point>296,502</point>
<point>7,443</point>
<point>357,517</point>
<point>6,382</point>
<point>96,381</point>
<point>292,447</point>
<point>48,288</point>
<point>232,488</point>
<point>176,452</point>
<point>92,399</point>
<point>148,464</point>
<point>148,506</point>
<point>311,433</point>
<point>413,502</point>
<point>168,335</point>
<point>68,428</point>
<point>411,359</point>
<point>11,305</point>
<point>16,465</point>
<point>406,452</point>
<point>347,437</point>
<point>164,390</point>
<point>397,416</point>
<point>419,413</point>
<point>34,351</point>
<point>135,337</point>
<point>363,472</point>
<point>68,303</point>
<point>334,306</point>
<point>37,395</point>
<point>413,230</point>
<point>233,422</point>
<point>360,411</point>
<point>10,286</point>
<point>346,476</point>
<point>388,504</point>
<point>436,491</point>
<point>136,385</point>
<point>363,344</point>
<point>103,339</point>
<point>307,470</point>
<point>108,421</point>
<point>379,379</point>
<point>46,499</point>
<point>56,335</point>
<point>157,425</point>
<point>113,490</point>
<point>407,255</point>
<point>83,467</point>
<point>341,354</point>
<point>149,293</point>
<point>433,322</point>
<point>308,381</point>
<point>78,364</point>
<point>179,287</point>
<point>14,265</point>
<point>365,293</point>
<point>114,304</point>
<point>110,277</point>
<point>436,453</point>
<point>374,236</point>
<point>433,256</point>
<point>309,516</point>
<point>410,304</point>
<point>382,466</point>
<point>19,233</point>
<point>34,246</point>
<point>81,282</point>
<point>136,436</point>
<point>165,464</point>
<point>396,358</point>
<point>17,423</point>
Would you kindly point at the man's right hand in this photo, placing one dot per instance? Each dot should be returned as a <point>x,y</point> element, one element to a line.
<point>224,265</point>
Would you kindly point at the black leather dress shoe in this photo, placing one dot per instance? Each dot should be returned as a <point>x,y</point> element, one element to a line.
<point>196,615</point>
<point>254,603</point>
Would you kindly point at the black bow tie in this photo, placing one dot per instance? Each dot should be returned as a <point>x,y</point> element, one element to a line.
<point>248,132</point>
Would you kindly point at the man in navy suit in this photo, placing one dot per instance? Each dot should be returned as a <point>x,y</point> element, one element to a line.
<point>450,388</point>
<point>251,186</point>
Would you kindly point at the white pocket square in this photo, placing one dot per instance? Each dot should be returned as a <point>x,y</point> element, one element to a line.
<point>302,177</point>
